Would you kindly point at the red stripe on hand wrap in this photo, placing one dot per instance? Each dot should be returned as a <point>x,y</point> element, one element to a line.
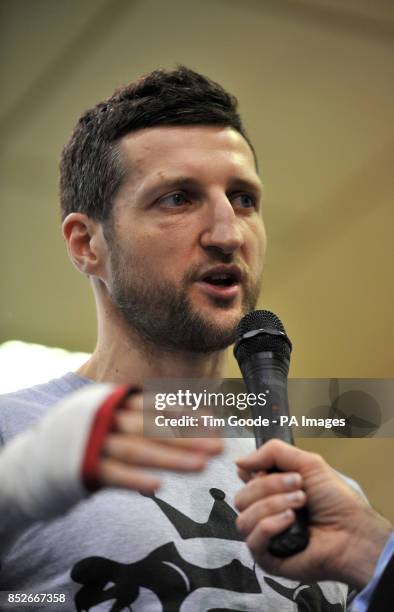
<point>102,425</point>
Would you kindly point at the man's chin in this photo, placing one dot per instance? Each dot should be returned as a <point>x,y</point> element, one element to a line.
<point>219,310</point>
<point>221,320</point>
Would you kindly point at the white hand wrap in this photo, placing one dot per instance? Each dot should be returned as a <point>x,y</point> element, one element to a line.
<point>40,469</point>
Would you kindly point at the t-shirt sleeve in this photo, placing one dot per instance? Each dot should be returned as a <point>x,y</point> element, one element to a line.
<point>51,466</point>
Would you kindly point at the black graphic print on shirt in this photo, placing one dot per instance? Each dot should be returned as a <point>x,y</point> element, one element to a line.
<point>172,578</point>
<point>308,597</point>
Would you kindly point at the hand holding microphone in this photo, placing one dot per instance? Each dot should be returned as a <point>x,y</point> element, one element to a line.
<point>346,534</point>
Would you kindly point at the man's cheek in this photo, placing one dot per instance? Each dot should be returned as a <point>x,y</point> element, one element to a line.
<point>257,252</point>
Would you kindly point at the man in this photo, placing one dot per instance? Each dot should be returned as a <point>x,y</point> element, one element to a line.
<point>349,540</point>
<point>161,206</point>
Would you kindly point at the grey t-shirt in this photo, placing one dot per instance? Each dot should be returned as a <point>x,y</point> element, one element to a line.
<point>120,550</point>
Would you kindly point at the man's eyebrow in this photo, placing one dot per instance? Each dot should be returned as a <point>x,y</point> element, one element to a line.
<point>174,181</point>
<point>191,182</point>
<point>247,184</point>
<point>160,183</point>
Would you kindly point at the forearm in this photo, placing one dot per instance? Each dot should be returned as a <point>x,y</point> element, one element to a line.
<point>40,469</point>
<point>365,548</point>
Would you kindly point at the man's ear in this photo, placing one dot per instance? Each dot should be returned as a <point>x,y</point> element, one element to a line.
<point>86,244</point>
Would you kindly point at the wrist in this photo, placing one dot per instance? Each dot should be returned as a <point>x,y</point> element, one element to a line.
<point>365,548</point>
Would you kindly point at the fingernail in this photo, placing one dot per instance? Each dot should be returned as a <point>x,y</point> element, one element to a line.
<point>240,523</point>
<point>292,479</point>
<point>295,496</point>
<point>214,445</point>
<point>193,461</point>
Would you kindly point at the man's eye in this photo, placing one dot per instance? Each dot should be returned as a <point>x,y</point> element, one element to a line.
<point>243,200</point>
<point>174,200</point>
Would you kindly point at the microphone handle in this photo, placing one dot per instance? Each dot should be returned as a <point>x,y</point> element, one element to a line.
<point>265,373</point>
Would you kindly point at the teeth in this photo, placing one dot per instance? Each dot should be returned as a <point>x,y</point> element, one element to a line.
<point>221,279</point>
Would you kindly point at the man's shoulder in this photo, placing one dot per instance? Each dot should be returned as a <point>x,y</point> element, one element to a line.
<point>45,394</point>
<point>21,409</point>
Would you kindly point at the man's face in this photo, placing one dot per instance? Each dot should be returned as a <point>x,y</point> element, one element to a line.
<point>187,240</point>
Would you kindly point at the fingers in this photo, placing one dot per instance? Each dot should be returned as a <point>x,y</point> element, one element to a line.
<point>134,402</point>
<point>125,451</point>
<point>260,537</point>
<point>144,452</point>
<point>244,474</point>
<point>264,486</point>
<point>267,505</point>
<point>281,455</point>
<point>208,446</point>
<point>130,422</point>
<point>111,473</point>
<point>265,509</point>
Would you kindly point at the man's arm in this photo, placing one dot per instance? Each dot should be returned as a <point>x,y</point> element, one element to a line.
<point>90,440</point>
<point>378,595</point>
<point>346,535</point>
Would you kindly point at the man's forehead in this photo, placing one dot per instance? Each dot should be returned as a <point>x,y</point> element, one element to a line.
<point>145,148</point>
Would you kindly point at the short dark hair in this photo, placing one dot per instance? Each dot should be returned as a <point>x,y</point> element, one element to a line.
<point>91,168</point>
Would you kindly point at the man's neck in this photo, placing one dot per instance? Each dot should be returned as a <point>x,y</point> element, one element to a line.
<point>121,357</point>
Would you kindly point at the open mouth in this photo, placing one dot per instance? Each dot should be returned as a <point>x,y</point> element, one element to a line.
<point>220,280</point>
<point>219,283</point>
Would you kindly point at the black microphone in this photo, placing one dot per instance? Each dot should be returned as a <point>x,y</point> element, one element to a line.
<point>263,354</point>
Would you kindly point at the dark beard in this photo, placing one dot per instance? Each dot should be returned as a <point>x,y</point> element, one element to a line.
<point>163,316</point>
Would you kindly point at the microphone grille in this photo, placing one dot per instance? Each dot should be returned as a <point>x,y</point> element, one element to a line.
<point>270,341</point>
<point>259,319</point>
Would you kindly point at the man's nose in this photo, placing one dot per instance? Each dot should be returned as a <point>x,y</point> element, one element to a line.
<point>222,230</point>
